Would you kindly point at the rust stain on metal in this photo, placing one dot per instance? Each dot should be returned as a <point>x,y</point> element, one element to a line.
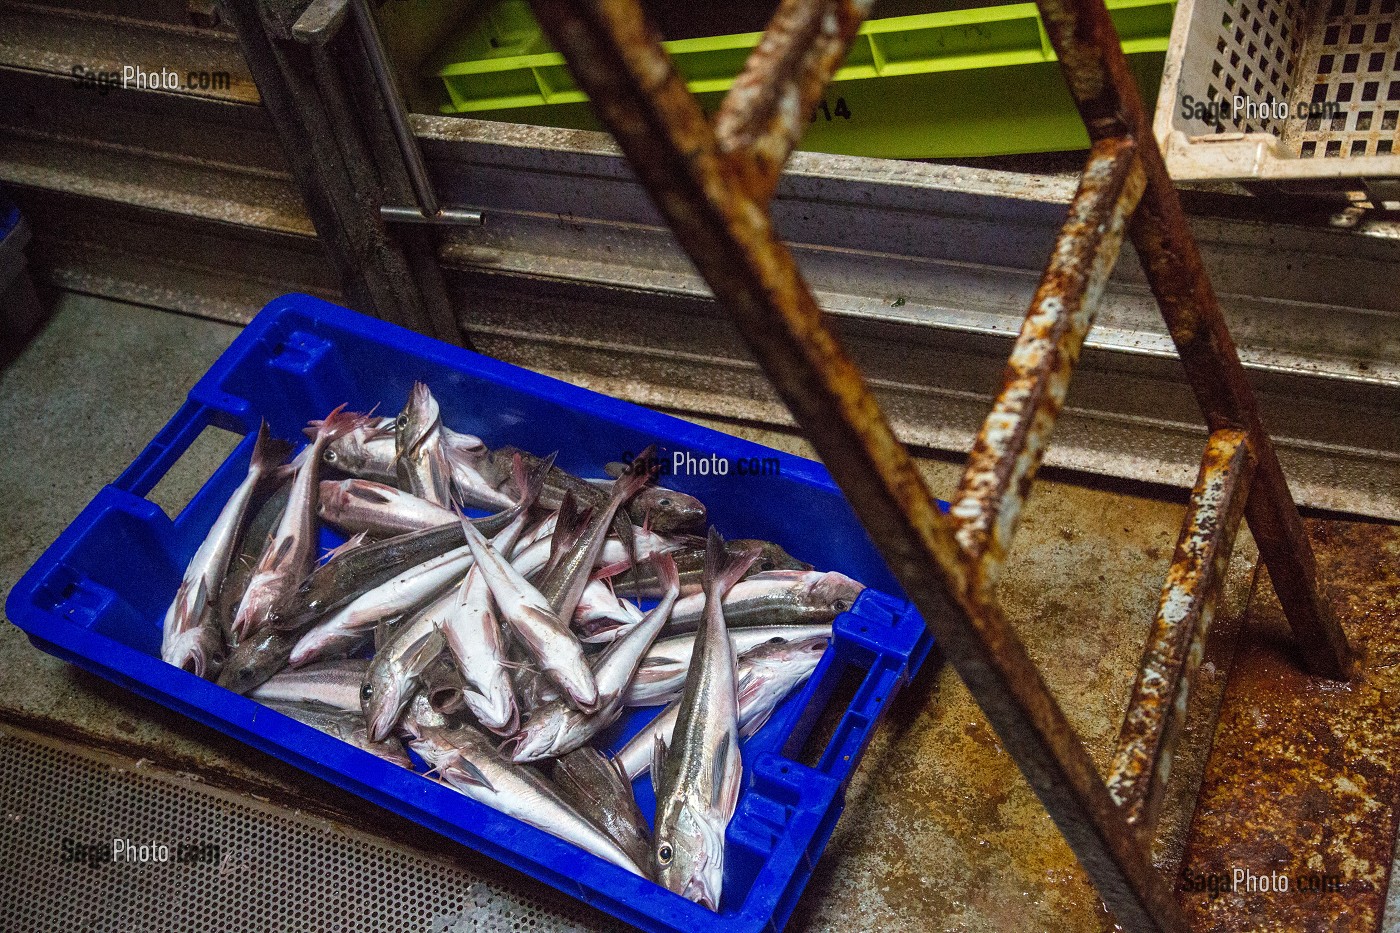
<point>1012,440</point>
<point>1177,642</point>
<point>1110,104</point>
<point>1304,778</point>
<point>767,109</point>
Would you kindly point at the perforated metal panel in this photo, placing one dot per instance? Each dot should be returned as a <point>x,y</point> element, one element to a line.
<point>275,870</point>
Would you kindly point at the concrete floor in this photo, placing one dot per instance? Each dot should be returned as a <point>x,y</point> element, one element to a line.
<point>940,831</point>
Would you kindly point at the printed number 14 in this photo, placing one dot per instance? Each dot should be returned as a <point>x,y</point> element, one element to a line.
<point>826,110</point>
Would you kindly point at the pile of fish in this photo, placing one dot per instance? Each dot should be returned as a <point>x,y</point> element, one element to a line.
<point>500,650</point>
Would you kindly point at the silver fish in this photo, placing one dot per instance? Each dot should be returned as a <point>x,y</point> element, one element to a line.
<point>697,777</point>
<point>355,505</point>
<point>332,683</point>
<point>775,597</point>
<point>567,575</point>
<point>191,636</point>
<point>530,617</point>
<point>767,675</point>
<point>291,551</point>
<point>465,760</point>
<point>474,637</point>
<point>690,558</point>
<point>396,672</point>
<point>471,470</point>
<point>346,726</point>
<point>595,785</point>
<point>557,728</point>
<point>368,452</point>
<point>343,630</point>
<point>421,463</point>
<point>661,676</point>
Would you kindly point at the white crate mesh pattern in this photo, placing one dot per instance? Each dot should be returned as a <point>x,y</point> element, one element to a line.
<point>281,871</point>
<point>1352,56</point>
<point>1297,53</point>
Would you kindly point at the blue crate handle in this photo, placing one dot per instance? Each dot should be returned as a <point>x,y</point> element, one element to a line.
<point>167,447</point>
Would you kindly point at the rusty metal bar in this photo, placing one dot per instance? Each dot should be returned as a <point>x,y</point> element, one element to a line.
<point>1013,438</point>
<point>618,61</point>
<point>1108,100</point>
<point>1152,725</point>
<point>767,109</point>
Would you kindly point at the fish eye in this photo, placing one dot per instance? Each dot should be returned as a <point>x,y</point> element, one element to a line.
<point>401,421</point>
<point>776,640</point>
<point>664,503</point>
<point>663,855</point>
<point>841,605</point>
<point>366,690</point>
<point>329,456</point>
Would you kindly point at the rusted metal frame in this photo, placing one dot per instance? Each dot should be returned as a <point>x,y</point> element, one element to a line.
<point>1176,644</point>
<point>1013,438</point>
<point>1108,100</point>
<point>772,100</point>
<point>618,61</point>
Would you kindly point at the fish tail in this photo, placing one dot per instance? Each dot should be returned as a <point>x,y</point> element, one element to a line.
<point>667,572</point>
<point>268,452</point>
<point>531,483</point>
<point>635,478</point>
<point>723,570</point>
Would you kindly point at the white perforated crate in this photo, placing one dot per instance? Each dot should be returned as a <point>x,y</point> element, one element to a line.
<point>1300,92</point>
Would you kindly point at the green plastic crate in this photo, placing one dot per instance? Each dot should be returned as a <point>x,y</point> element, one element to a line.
<point>972,82</point>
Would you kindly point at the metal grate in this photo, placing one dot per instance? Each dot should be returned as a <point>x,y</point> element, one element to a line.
<point>275,869</point>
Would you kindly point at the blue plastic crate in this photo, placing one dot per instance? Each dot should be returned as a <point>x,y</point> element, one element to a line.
<point>97,596</point>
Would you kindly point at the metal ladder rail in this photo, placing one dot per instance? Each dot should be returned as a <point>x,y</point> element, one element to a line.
<point>712,183</point>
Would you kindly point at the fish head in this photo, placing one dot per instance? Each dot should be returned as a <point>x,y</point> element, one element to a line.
<point>350,452</point>
<point>670,511</point>
<point>495,707</point>
<point>771,556</point>
<point>383,697</point>
<point>418,420</point>
<point>689,855</point>
<point>789,652</point>
<point>835,592</point>
<point>542,731</point>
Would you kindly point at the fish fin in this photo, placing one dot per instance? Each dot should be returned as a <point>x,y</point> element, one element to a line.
<point>268,451</point>
<point>639,473</point>
<point>369,491</point>
<point>349,545</point>
<point>466,772</point>
<point>756,723</point>
<point>423,652</point>
<point>339,423</point>
<point>622,527</point>
<point>201,598</point>
<point>568,528</point>
<point>658,761</point>
<point>668,573</point>
<point>725,789</point>
<point>440,474</point>
<point>534,482</point>
<point>748,685</point>
<point>608,571</point>
<point>722,569</point>
<point>283,550</point>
